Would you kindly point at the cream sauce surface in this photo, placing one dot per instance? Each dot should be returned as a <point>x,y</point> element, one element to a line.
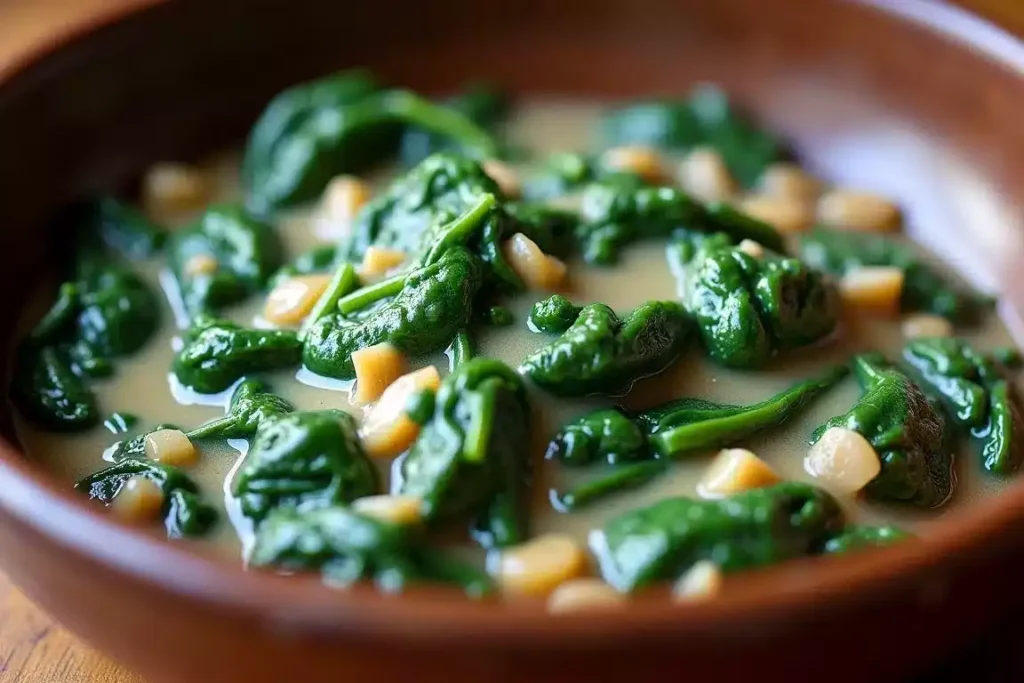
<point>144,386</point>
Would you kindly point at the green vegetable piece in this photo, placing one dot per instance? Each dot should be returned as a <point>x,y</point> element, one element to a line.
<point>552,228</point>
<point>749,309</point>
<point>217,353</point>
<point>123,228</point>
<point>691,424</point>
<point>750,529</point>
<point>925,288</point>
<point>117,313</point>
<point>346,547</point>
<point>601,353</point>
<point>432,304</point>
<point>498,316</point>
<point>857,537</point>
<point>471,456</point>
<point>304,460</point>
<point>341,124</point>
<point>245,252</point>
<point>623,478</point>
<point>906,431</point>
<point>184,512</point>
<point>55,324</point>
<point>252,404</point>
<point>441,188</point>
<point>481,103</point>
<point>461,350</point>
<point>49,394</point>
<point>554,315</point>
<point>956,373</point>
<point>973,390</point>
<point>607,434</point>
<point>120,423</point>
<point>706,117</point>
<point>614,215</point>
<point>343,282</point>
<point>1000,437</point>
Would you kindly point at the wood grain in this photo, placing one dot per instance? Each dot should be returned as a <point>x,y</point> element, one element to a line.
<point>33,648</point>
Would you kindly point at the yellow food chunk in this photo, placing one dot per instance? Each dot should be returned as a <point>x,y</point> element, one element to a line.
<point>925,325</point>
<point>377,367</point>
<point>643,161</point>
<point>873,289</point>
<point>842,461</point>
<point>537,269</point>
<point>584,595</point>
<point>387,430</point>
<point>292,300</point>
<point>138,500</point>
<point>170,187</point>
<point>751,248</point>
<point>789,181</point>
<point>734,470</point>
<point>540,565</point>
<point>786,215</point>
<point>506,177</point>
<point>392,509</point>
<point>857,210</point>
<point>704,175</point>
<point>171,447</point>
<point>378,261</point>
<point>200,264</point>
<point>343,198</point>
<point>700,582</point>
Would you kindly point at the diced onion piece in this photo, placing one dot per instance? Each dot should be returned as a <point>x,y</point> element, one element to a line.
<point>734,470</point>
<point>751,248</point>
<point>540,565</point>
<point>506,177</point>
<point>387,430</point>
<point>402,510</point>
<point>873,289</point>
<point>377,261</point>
<point>171,447</point>
<point>291,301</point>
<point>344,196</point>
<point>642,161</point>
<point>377,367</point>
<point>700,582</point>
<point>925,325</point>
<point>170,187</point>
<point>788,216</point>
<point>788,180</point>
<point>585,595</point>
<point>138,500</point>
<point>842,461</point>
<point>857,210</point>
<point>200,264</point>
<point>704,174</point>
<point>537,269</point>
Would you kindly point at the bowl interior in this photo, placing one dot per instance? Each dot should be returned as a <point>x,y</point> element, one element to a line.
<point>844,81</point>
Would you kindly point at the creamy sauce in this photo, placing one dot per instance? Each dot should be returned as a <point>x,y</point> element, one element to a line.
<point>143,385</point>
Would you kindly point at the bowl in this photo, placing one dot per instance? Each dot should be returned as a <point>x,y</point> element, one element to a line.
<point>916,99</point>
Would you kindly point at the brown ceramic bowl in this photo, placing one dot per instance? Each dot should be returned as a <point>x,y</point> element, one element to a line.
<point>912,98</point>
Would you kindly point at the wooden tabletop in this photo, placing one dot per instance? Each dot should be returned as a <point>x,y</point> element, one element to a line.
<point>33,648</point>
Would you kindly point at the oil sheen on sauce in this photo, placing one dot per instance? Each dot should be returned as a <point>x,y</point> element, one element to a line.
<point>143,385</point>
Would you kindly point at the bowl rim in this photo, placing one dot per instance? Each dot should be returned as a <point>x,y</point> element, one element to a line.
<point>784,593</point>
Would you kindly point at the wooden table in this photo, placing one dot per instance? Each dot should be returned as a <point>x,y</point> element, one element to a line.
<point>33,648</point>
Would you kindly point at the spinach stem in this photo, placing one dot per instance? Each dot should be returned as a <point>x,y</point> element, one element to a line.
<point>367,296</point>
<point>460,351</point>
<point>342,283</point>
<point>460,229</point>
<point>422,113</point>
<point>478,433</point>
<point>621,479</point>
